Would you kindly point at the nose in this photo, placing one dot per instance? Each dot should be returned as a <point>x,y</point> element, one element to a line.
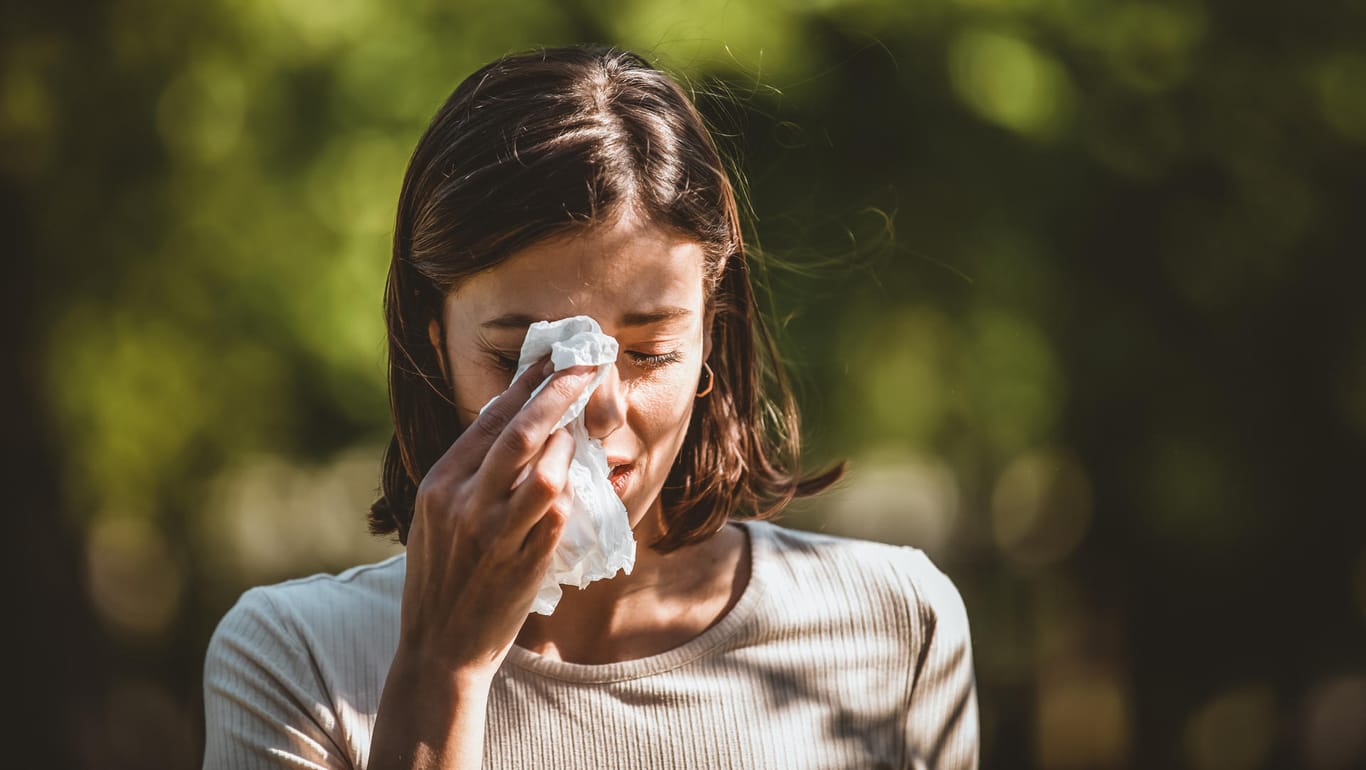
<point>606,408</point>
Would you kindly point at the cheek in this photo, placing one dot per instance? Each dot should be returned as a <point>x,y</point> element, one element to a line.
<point>473,384</point>
<point>662,409</point>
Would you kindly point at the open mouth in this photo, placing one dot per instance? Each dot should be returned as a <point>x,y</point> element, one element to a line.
<point>620,476</point>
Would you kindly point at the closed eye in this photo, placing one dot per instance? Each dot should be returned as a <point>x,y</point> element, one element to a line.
<point>508,363</point>
<point>655,361</point>
<point>645,361</point>
<point>502,361</point>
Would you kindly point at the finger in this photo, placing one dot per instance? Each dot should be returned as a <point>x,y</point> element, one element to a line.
<point>546,481</point>
<point>466,453</point>
<point>528,430</point>
<point>542,539</point>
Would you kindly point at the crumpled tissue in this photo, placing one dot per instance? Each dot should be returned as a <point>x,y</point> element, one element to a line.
<point>597,540</point>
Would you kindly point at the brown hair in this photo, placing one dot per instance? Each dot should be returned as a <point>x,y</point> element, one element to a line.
<point>537,144</point>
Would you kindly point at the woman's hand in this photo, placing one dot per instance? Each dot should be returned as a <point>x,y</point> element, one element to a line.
<point>478,547</point>
<point>486,521</point>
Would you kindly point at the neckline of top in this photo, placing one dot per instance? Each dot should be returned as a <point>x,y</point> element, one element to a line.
<point>717,634</point>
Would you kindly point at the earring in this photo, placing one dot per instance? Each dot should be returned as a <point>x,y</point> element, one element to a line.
<point>711,380</point>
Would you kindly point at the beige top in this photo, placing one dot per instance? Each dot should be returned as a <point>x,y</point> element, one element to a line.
<point>839,654</point>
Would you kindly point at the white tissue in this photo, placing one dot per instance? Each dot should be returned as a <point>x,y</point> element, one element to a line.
<point>597,540</point>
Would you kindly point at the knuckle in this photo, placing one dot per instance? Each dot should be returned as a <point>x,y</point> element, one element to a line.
<point>439,496</point>
<point>568,387</point>
<point>429,496</point>
<point>425,489</point>
<point>543,483</point>
<point>491,423</point>
<point>520,439</point>
<point>558,513</point>
<point>559,510</point>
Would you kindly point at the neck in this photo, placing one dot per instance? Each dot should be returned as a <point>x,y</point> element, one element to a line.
<point>665,601</point>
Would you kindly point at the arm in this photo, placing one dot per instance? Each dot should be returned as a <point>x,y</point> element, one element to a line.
<point>264,708</point>
<point>941,727</point>
<point>486,521</point>
<point>427,721</point>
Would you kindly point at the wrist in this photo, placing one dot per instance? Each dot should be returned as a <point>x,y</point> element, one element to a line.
<point>430,716</point>
<point>414,668</point>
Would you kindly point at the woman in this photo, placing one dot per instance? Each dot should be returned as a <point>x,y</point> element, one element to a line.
<point>583,182</point>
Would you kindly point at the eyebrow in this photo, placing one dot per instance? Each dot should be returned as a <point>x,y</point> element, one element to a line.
<point>640,318</point>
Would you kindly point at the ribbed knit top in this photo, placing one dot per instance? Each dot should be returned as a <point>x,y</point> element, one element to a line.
<point>840,653</point>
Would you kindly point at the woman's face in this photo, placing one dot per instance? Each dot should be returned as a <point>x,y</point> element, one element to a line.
<point>643,284</point>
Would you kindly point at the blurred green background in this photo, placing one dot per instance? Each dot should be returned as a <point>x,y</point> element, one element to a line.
<point>1075,285</point>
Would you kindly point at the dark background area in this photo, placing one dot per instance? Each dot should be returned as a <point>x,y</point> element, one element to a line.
<point>1074,285</point>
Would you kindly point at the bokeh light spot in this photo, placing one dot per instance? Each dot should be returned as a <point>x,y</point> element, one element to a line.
<point>1150,44</point>
<point>312,26</point>
<point>148,407</point>
<point>201,113</point>
<point>1338,84</point>
<point>1084,719</point>
<point>901,384</point>
<point>1041,507</point>
<point>1010,82</point>
<point>28,112</point>
<point>271,518</point>
<point>899,498</point>
<point>1334,727</point>
<point>1233,730</point>
<point>24,104</point>
<point>133,579</point>
<point>351,187</point>
<point>1014,384</point>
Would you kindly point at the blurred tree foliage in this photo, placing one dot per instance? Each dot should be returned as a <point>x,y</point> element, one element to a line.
<point>1075,283</point>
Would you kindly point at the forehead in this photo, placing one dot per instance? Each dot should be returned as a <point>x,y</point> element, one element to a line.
<point>609,272</point>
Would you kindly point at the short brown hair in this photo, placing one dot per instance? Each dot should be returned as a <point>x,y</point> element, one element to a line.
<point>532,146</point>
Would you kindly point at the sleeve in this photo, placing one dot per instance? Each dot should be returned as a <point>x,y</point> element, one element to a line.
<point>942,725</point>
<point>264,705</point>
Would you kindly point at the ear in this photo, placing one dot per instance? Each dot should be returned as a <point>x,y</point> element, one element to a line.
<point>434,334</point>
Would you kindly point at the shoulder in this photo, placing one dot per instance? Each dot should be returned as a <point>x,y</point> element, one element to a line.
<point>293,669</point>
<point>900,578</point>
<point>302,618</point>
<point>321,597</point>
